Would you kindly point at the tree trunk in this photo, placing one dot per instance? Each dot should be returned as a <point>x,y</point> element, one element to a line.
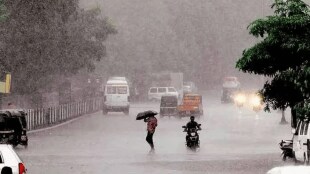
<point>283,120</point>
<point>293,118</point>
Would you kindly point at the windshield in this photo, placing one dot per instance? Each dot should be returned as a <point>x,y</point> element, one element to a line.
<point>116,89</point>
<point>169,101</point>
<point>171,90</point>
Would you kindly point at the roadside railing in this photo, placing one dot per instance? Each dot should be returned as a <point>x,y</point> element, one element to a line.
<point>45,117</point>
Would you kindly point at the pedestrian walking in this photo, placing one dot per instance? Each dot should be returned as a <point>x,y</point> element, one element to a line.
<point>151,126</point>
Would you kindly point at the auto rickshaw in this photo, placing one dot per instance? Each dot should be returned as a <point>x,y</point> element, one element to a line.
<point>14,130</point>
<point>168,105</point>
<point>6,132</point>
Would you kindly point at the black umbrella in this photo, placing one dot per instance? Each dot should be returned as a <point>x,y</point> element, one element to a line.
<point>146,114</point>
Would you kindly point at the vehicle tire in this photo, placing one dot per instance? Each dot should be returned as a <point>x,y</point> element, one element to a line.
<point>306,162</point>
<point>200,116</point>
<point>179,117</point>
<point>104,110</point>
<point>126,111</point>
<point>295,160</point>
<point>284,157</point>
<point>26,145</point>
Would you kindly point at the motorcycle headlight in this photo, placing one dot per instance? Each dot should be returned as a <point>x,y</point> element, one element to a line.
<point>193,134</point>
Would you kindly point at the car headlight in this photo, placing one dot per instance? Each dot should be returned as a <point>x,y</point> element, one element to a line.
<point>240,99</point>
<point>256,101</point>
<point>193,134</point>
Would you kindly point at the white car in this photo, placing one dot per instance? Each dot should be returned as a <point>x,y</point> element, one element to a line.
<point>9,158</point>
<point>290,170</point>
<point>155,93</point>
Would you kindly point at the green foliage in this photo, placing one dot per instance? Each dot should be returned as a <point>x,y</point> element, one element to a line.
<point>47,39</point>
<point>3,11</point>
<point>303,109</point>
<point>282,54</point>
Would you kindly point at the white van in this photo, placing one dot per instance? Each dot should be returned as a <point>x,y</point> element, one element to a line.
<point>301,141</point>
<point>116,97</point>
<point>155,93</point>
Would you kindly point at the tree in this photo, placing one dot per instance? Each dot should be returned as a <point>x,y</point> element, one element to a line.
<point>42,40</point>
<point>282,54</point>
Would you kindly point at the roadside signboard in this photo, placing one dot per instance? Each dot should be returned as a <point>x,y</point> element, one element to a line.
<point>5,87</point>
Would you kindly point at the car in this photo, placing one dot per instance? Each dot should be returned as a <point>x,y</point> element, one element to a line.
<point>290,170</point>
<point>155,93</point>
<point>9,158</point>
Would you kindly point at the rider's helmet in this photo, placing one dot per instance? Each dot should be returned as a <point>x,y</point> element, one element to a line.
<point>192,118</point>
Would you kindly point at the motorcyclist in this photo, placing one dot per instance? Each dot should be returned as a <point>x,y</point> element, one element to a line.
<point>192,124</point>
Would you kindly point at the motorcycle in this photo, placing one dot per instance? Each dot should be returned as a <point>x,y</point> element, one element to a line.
<point>192,137</point>
<point>287,149</point>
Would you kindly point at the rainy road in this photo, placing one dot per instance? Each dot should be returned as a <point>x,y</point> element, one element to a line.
<point>231,142</point>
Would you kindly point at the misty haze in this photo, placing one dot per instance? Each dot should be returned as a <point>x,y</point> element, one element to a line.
<point>154,86</point>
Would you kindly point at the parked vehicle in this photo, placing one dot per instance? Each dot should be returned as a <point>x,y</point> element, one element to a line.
<point>287,149</point>
<point>168,105</point>
<point>191,106</point>
<point>155,93</point>
<point>13,127</point>
<point>301,141</point>
<point>116,97</point>
<point>192,137</point>
<point>9,158</point>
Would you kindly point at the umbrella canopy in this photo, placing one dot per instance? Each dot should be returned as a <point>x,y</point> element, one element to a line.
<point>146,114</point>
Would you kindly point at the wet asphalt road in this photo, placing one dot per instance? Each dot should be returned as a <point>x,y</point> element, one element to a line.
<point>232,141</point>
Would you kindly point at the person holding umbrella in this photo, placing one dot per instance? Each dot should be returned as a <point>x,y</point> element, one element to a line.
<point>151,120</point>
